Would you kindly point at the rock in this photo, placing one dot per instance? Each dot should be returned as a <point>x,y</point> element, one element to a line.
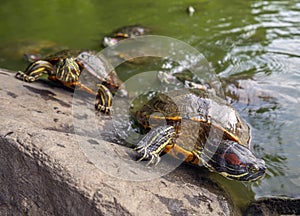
<point>274,206</point>
<point>45,172</point>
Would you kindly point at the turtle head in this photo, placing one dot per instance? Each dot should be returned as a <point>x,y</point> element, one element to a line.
<point>109,41</point>
<point>236,162</point>
<point>68,70</point>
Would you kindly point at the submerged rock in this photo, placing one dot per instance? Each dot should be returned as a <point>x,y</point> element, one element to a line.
<point>274,206</point>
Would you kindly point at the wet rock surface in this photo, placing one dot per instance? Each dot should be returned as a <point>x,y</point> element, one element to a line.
<point>45,172</point>
<point>274,206</point>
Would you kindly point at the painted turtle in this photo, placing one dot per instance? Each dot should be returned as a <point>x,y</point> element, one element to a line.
<point>124,33</point>
<point>66,67</point>
<point>201,129</point>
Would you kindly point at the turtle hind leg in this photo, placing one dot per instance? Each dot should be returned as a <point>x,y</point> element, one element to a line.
<point>35,70</point>
<point>155,142</point>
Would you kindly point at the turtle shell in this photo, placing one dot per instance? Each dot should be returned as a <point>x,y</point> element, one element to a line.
<point>196,117</point>
<point>95,65</point>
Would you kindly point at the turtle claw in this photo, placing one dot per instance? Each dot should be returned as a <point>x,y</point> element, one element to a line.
<point>152,157</point>
<point>140,149</point>
<point>25,77</point>
<point>155,159</point>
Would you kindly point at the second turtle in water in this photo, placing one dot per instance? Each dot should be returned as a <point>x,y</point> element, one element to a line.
<point>124,33</point>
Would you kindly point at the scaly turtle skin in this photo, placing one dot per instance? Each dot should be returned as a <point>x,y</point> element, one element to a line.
<point>200,129</point>
<point>66,67</point>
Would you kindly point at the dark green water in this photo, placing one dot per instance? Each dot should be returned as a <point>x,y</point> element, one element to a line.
<point>254,43</point>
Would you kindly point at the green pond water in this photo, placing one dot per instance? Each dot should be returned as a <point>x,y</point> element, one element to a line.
<point>253,43</point>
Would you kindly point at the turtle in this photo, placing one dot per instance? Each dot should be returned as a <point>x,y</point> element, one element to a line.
<point>66,66</point>
<point>134,53</point>
<point>198,128</point>
<point>124,33</point>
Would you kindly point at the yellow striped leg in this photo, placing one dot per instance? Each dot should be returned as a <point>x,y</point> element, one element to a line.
<point>35,70</point>
<point>103,99</point>
<point>155,142</point>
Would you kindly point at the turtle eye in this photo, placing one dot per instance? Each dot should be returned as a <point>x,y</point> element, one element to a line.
<point>253,169</point>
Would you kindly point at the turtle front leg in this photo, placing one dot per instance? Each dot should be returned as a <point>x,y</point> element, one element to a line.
<point>155,142</point>
<point>103,99</point>
<point>35,70</point>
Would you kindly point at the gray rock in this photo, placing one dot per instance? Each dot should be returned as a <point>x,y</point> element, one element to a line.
<point>45,172</point>
<point>274,206</point>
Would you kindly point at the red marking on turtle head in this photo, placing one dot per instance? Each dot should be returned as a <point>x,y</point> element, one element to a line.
<point>232,159</point>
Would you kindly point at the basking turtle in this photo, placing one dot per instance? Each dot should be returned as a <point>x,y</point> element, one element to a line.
<point>66,67</point>
<point>200,129</point>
